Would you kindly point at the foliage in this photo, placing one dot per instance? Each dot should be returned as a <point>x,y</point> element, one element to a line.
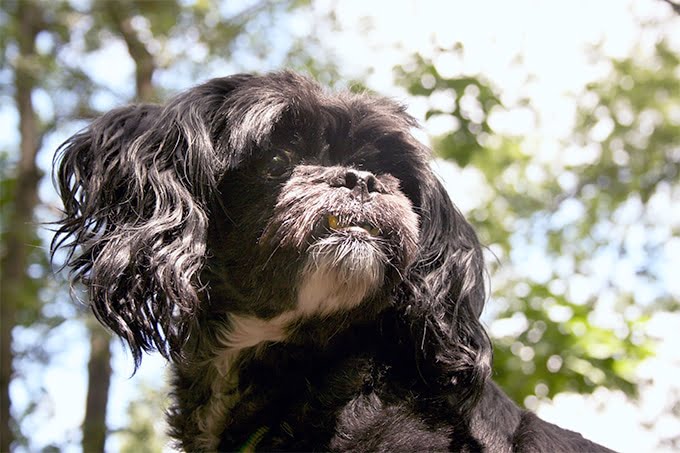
<point>562,318</point>
<point>633,118</point>
<point>472,98</point>
<point>87,53</point>
<point>145,432</point>
<point>564,230</point>
<point>29,313</point>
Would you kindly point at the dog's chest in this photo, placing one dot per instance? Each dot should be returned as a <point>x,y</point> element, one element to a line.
<point>345,406</point>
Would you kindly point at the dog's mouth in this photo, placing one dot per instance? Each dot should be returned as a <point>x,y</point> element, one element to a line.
<point>336,223</point>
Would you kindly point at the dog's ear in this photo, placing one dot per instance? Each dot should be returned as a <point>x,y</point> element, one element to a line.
<point>447,297</point>
<point>135,187</point>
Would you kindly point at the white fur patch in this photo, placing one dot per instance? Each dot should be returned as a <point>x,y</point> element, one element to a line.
<point>247,332</point>
<point>211,417</point>
<point>326,289</point>
<point>340,273</point>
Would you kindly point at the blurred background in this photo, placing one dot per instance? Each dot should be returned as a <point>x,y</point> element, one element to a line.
<point>556,129</point>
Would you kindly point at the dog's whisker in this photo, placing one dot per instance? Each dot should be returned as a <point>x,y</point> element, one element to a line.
<point>271,255</point>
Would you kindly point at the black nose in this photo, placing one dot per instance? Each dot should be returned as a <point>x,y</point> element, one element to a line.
<point>359,181</point>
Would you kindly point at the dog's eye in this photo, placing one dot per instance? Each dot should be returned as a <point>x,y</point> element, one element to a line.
<point>280,164</point>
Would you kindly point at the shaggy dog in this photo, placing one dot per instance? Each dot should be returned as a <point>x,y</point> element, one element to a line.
<point>292,254</point>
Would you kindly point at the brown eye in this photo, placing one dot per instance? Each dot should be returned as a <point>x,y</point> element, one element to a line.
<point>281,164</point>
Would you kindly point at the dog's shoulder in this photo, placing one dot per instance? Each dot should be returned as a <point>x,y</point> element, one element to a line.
<point>501,426</point>
<point>536,435</point>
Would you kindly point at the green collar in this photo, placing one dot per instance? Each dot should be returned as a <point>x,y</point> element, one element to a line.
<point>254,439</point>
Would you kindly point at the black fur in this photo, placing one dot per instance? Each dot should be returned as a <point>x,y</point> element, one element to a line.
<point>292,254</point>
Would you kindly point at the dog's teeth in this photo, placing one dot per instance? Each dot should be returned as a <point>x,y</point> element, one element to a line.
<point>334,224</point>
<point>373,231</point>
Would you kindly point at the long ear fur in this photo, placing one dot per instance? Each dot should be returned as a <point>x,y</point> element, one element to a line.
<point>446,286</point>
<point>135,186</point>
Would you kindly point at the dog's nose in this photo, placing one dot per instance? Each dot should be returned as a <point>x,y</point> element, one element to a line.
<point>360,181</point>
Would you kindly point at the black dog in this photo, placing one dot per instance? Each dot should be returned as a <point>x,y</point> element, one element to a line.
<point>293,255</point>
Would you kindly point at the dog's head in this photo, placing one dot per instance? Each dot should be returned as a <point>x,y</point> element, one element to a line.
<point>266,197</point>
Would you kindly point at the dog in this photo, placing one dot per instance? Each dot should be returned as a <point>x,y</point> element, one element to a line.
<point>291,253</point>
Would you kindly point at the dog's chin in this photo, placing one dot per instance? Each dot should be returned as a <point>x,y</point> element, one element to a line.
<point>342,270</point>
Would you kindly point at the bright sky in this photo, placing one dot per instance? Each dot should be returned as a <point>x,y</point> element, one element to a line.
<point>552,37</point>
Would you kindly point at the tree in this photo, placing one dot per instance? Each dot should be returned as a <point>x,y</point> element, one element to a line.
<point>573,328</point>
<point>16,289</point>
<point>145,432</point>
<point>51,48</point>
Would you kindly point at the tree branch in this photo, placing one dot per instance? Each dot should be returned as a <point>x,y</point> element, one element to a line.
<point>144,60</point>
<point>18,234</point>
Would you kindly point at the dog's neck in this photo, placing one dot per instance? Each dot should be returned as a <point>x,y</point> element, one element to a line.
<point>246,361</point>
<point>320,295</point>
<point>235,342</point>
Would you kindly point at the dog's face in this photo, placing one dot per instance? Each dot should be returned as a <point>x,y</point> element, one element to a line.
<point>266,198</point>
<point>315,220</point>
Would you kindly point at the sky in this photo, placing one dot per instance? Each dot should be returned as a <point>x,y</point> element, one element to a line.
<point>553,38</point>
